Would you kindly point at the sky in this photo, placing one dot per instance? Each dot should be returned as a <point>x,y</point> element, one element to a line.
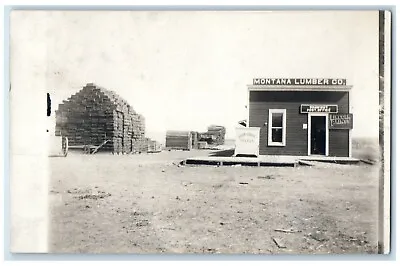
<point>187,70</point>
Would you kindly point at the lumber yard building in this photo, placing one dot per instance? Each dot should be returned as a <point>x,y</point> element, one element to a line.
<point>300,116</point>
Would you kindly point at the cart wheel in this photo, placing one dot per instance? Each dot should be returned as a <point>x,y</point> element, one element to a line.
<point>86,149</point>
<point>65,146</point>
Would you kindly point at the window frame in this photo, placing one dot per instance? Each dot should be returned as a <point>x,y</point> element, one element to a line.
<point>270,142</point>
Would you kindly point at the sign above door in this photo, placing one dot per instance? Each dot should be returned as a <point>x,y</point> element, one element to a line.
<point>318,108</point>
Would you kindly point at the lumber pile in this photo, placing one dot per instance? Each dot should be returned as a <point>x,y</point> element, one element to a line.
<point>215,135</point>
<point>94,115</point>
<point>202,144</point>
<point>219,133</point>
<point>145,145</point>
<point>139,146</point>
<point>178,140</point>
<point>195,139</point>
<point>207,137</point>
<point>154,146</point>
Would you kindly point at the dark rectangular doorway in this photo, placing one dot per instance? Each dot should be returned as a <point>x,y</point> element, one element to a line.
<point>318,135</point>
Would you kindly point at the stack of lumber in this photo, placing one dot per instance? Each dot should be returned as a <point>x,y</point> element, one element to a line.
<point>139,146</point>
<point>94,114</point>
<point>202,144</point>
<point>154,146</point>
<point>207,137</point>
<point>145,145</point>
<point>178,140</point>
<point>129,126</point>
<point>215,135</point>
<point>219,133</point>
<point>194,136</point>
<point>85,118</point>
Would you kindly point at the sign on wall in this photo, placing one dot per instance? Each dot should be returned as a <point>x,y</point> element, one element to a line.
<point>340,121</point>
<point>318,108</point>
<point>299,81</point>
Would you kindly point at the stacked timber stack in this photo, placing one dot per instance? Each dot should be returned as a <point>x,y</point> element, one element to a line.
<point>95,115</point>
<point>219,133</point>
<point>207,137</point>
<point>85,118</point>
<point>154,146</point>
<point>129,126</point>
<point>194,136</point>
<point>178,140</point>
<point>215,135</point>
<point>137,146</point>
<point>202,144</point>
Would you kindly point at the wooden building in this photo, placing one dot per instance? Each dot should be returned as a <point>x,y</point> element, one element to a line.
<point>301,116</point>
<point>95,116</point>
<point>178,140</point>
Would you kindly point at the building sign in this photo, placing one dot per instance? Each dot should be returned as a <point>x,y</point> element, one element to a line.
<point>341,121</point>
<point>299,81</point>
<point>247,137</point>
<point>247,141</point>
<point>318,108</point>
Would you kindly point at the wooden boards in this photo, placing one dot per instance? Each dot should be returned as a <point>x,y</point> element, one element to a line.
<point>94,115</point>
<point>178,140</point>
<point>215,135</point>
<point>218,132</point>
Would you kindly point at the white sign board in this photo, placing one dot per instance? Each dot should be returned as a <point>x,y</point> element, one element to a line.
<point>247,141</point>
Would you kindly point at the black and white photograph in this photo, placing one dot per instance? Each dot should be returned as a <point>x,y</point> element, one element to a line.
<point>200,132</point>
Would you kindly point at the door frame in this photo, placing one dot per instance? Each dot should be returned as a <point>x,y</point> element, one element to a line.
<point>326,115</point>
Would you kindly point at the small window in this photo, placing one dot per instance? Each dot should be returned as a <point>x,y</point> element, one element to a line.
<point>277,127</point>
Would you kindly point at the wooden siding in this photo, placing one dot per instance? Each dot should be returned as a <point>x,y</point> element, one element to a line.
<point>339,142</point>
<point>181,140</point>
<point>296,136</point>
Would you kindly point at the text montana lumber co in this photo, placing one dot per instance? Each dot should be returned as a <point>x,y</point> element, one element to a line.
<point>298,81</point>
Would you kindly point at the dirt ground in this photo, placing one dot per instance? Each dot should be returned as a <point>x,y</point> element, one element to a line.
<point>148,204</point>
